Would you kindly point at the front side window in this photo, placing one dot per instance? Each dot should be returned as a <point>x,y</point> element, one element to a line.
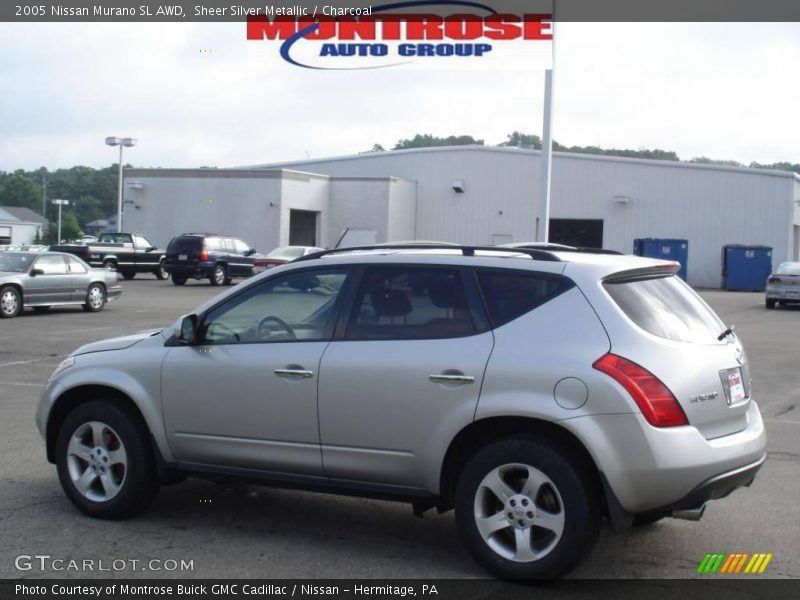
<point>141,243</point>
<point>51,265</point>
<point>297,306</point>
<point>410,303</point>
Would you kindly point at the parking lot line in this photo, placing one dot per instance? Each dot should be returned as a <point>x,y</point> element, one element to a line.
<point>27,362</point>
<point>25,384</point>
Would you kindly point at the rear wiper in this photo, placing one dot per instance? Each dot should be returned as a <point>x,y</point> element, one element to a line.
<point>726,333</point>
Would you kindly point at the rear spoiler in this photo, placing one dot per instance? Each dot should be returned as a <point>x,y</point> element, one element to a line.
<point>664,269</point>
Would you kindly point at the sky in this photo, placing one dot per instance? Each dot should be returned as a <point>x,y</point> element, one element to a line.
<point>199,94</point>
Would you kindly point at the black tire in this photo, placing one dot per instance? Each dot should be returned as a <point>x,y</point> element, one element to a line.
<point>10,302</point>
<point>95,298</point>
<point>110,265</point>
<point>128,274</point>
<point>137,481</point>
<point>178,280</point>
<point>219,275</point>
<point>571,494</point>
<point>770,304</point>
<point>160,273</point>
<point>41,309</point>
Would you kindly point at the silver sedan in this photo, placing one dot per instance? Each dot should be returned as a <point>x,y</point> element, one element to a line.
<point>44,279</point>
<point>783,286</point>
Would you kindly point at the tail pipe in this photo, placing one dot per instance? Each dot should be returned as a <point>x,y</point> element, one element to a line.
<point>690,514</point>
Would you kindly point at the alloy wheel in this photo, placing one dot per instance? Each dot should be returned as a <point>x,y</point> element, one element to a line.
<point>97,461</point>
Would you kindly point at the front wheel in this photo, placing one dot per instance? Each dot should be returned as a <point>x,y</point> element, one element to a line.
<point>161,272</point>
<point>10,302</point>
<point>770,304</point>
<point>104,460</point>
<point>526,509</point>
<point>95,298</point>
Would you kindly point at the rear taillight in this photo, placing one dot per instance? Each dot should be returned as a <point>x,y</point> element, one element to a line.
<point>774,280</point>
<point>653,398</point>
<point>203,255</point>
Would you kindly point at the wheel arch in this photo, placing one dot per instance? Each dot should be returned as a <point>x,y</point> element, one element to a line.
<point>485,431</point>
<point>74,397</point>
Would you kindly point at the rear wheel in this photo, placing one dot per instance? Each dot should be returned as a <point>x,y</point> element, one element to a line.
<point>110,264</point>
<point>10,302</point>
<point>178,280</point>
<point>104,460</point>
<point>95,298</point>
<point>161,272</point>
<point>770,303</point>
<point>526,509</point>
<point>219,275</point>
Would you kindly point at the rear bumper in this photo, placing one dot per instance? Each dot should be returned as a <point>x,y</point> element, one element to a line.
<point>717,487</point>
<point>201,269</point>
<point>783,295</point>
<point>650,469</point>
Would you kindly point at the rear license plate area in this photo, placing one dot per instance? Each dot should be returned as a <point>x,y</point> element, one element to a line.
<point>733,383</point>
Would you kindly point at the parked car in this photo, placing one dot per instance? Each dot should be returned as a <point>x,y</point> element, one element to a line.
<point>40,280</point>
<point>128,253</point>
<point>783,286</point>
<point>532,391</point>
<point>218,258</point>
<point>280,256</point>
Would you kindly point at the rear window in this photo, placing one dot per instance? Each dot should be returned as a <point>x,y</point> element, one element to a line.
<point>668,308</point>
<point>789,269</point>
<point>183,244</point>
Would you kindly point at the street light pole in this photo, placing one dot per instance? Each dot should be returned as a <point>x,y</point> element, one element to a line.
<point>121,142</point>
<point>60,204</point>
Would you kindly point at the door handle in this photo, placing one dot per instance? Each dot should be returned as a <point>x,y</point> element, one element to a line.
<point>451,378</point>
<point>293,373</point>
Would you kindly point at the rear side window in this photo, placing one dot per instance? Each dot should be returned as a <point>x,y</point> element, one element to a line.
<point>410,303</point>
<point>184,244</point>
<point>667,308</point>
<point>511,294</point>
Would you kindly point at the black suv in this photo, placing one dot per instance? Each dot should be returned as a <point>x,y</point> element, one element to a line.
<point>217,257</point>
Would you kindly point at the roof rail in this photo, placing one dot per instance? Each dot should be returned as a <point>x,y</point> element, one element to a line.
<point>562,248</point>
<point>465,250</point>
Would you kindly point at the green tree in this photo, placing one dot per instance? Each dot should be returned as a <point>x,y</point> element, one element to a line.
<point>18,190</point>
<point>70,229</point>
<point>427,141</point>
<point>517,139</point>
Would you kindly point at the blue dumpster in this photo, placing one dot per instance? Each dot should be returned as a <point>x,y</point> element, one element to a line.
<point>746,267</point>
<point>668,249</point>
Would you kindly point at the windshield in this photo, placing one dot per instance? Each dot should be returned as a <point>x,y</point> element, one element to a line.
<point>790,268</point>
<point>287,252</point>
<point>667,307</point>
<point>15,263</point>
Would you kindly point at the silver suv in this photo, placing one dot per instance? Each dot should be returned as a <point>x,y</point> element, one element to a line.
<point>533,391</point>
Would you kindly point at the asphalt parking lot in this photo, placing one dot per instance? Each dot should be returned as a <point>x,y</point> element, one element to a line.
<point>245,531</point>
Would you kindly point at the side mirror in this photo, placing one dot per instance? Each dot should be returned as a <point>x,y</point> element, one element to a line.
<point>35,272</point>
<point>151,248</point>
<point>188,331</point>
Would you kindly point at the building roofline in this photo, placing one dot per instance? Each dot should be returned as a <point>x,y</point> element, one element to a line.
<point>247,173</point>
<point>531,152</point>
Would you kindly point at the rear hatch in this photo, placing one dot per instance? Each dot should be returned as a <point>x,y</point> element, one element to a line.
<point>184,250</point>
<point>680,339</point>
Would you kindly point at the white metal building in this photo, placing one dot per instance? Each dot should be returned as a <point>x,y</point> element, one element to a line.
<point>20,225</point>
<point>476,195</point>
